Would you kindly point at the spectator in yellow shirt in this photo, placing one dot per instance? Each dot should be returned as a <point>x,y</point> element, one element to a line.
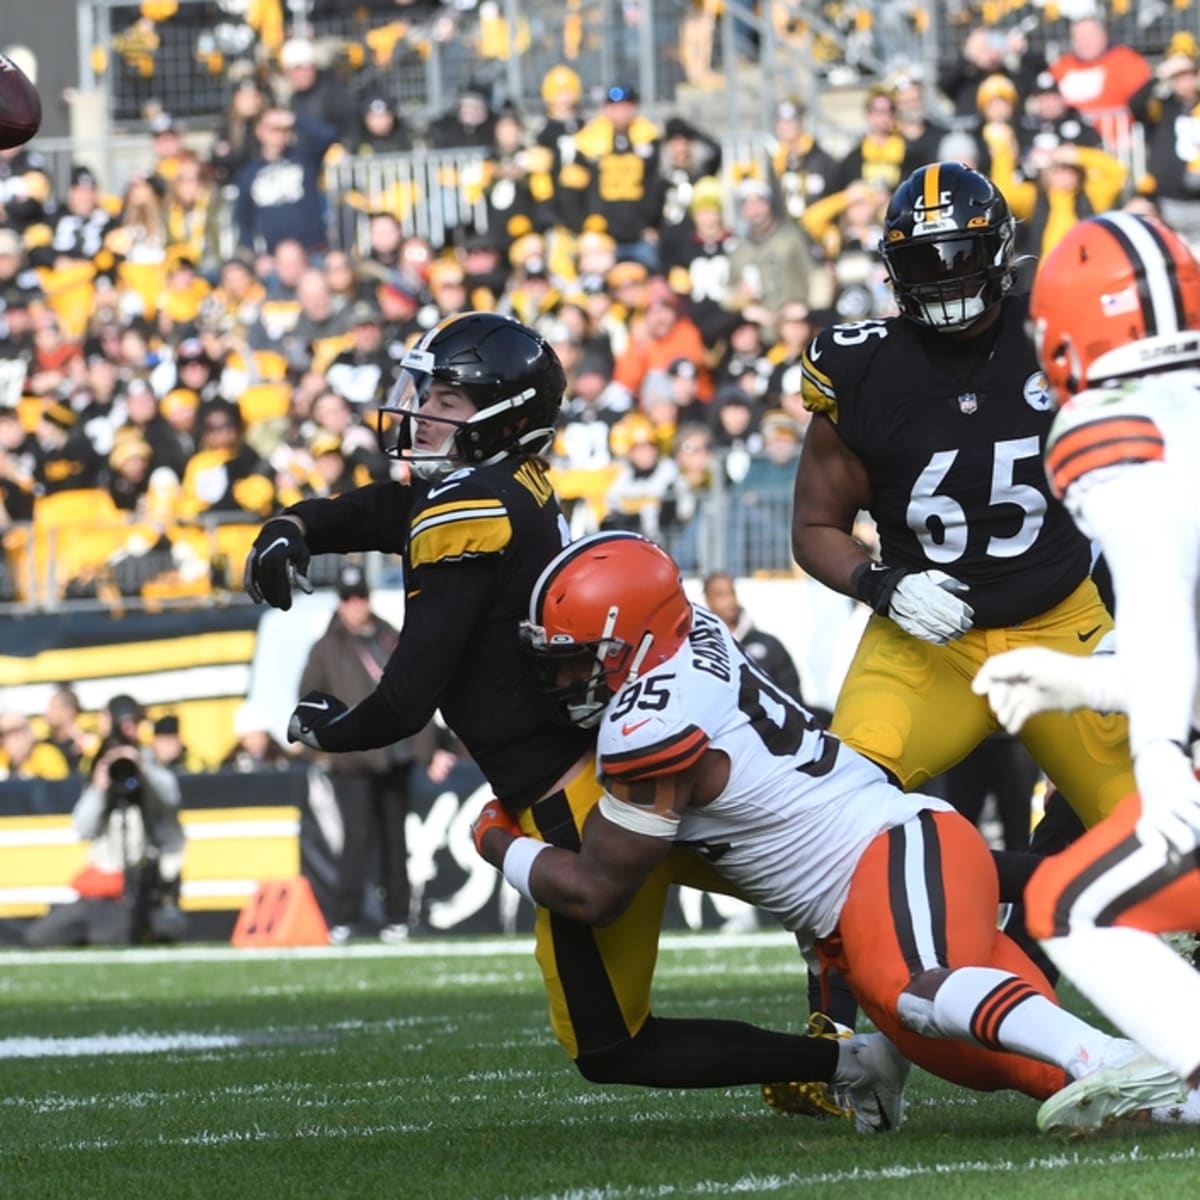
<point>23,756</point>
<point>1071,182</point>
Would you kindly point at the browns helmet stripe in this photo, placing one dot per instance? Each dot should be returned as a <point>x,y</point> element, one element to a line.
<point>1162,304</point>
<point>1172,274</point>
<point>569,552</point>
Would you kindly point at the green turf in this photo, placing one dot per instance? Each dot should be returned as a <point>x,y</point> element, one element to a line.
<point>430,1072</point>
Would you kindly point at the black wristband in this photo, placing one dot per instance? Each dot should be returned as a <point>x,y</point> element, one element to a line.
<point>873,583</point>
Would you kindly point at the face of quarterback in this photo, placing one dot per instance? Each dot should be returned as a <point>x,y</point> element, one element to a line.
<point>432,435</point>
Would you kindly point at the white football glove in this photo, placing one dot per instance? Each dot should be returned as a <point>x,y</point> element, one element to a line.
<point>1019,684</point>
<point>1170,792</point>
<point>928,606</point>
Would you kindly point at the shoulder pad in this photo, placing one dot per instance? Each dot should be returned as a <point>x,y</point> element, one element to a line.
<point>636,747</point>
<point>462,516</point>
<point>1100,429</point>
<point>816,386</point>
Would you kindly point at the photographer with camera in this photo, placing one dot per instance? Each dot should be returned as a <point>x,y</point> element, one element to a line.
<point>129,813</point>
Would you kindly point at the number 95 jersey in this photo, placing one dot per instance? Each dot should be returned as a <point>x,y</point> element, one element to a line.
<point>951,431</point>
<point>799,807</point>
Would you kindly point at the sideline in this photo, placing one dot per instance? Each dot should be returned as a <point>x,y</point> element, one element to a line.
<point>421,947</point>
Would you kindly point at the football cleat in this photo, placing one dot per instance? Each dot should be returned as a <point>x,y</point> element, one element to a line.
<point>811,1099</point>
<point>339,935</point>
<point>874,1089</point>
<point>393,935</point>
<point>1181,1112</point>
<point>1126,1081</point>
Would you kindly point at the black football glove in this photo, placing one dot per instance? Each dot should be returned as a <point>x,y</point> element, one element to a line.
<point>315,712</point>
<point>277,561</point>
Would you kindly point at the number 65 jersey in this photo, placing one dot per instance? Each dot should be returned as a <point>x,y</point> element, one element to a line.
<point>799,808</point>
<point>952,431</point>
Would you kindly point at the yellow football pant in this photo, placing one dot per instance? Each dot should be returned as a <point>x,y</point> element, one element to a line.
<point>908,705</point>
<point>598,980</point>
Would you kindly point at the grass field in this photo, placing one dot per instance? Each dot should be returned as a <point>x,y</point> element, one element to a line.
<point>429,1071</point>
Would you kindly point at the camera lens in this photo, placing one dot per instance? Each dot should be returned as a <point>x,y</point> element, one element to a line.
<point>124,775</point>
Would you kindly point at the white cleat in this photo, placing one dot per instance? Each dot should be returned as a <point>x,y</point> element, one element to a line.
<point>1185,1112</point>
<point>1127,1080</point>
<point>870,1080</point>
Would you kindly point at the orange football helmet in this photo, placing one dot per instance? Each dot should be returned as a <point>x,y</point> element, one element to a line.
<point>1118,296</point>
<point>604,610</point>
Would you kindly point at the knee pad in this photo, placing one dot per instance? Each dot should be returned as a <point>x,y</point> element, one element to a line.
<point>917,1013</point>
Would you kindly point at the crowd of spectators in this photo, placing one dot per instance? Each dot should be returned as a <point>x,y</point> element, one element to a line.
<point>172,385</point>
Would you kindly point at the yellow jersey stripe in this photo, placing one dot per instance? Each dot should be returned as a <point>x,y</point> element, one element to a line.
<point>459,536</point>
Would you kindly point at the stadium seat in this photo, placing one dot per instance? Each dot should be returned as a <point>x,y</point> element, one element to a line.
<point>265,402</point>
<point>232,544</point>
<point>79,529</point>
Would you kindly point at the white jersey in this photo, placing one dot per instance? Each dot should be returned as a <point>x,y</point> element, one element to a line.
<point>1126,460</point>
<point>799,809</point>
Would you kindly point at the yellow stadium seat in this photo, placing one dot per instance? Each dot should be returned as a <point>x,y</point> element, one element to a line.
<point>589,484</point>
<point>80,528</point>
<point>78,507</point>
<point>29,409</point>
<point>265,401</point>
<point>17,542</point>
<point>148,280</point>
<point>232,543</point>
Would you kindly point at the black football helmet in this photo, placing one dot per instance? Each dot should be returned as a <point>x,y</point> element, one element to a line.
<point>948,245</point>
<point>507,371</point>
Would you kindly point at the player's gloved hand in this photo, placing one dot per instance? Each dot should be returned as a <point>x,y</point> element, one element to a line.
<point>1019,684</point>
<point>277,562</point>
<point>315,712</point>
<point>925,604</point>
<point>493,815</point>
<point>1170,792</point>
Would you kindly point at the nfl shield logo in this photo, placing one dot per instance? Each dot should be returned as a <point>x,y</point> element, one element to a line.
<point>968,403</point>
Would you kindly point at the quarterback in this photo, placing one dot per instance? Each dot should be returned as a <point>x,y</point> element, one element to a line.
<point>697,747</point>
<point>1116,311</point>
<point>475,406</point>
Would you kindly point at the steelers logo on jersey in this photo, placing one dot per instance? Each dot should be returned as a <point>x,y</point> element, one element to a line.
<point>1037,392</point>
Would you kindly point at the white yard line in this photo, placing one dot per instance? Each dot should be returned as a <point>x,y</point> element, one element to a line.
<point>758,1185</point>
<point>419,948</point>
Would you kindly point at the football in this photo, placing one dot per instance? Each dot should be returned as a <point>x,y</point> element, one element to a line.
<point>20,105</point>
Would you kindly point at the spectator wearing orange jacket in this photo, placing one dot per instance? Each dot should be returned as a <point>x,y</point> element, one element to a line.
<point>1097,78</point>
<point>658,337</point>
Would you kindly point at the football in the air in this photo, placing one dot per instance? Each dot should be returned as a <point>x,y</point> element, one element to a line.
<point>20,105</point>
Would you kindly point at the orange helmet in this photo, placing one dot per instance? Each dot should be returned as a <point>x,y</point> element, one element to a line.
<point>1119,295</point>
<point>605,609</point>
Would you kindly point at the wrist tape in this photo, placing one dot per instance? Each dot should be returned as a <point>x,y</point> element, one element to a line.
<point>518,862</point>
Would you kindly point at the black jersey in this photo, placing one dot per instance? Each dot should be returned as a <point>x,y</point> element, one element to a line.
<point>951,432</point>
<point>474,544</point>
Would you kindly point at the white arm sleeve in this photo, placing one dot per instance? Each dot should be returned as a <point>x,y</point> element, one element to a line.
<point>1144,520</point>
<point>638,820</point>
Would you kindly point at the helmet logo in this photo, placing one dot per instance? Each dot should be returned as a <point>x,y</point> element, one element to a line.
<point>1117,304</point>
<point>968,403</point>
<point>933,218</point>
<point>1037,392</point>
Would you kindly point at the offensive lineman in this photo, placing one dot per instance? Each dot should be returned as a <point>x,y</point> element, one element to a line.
<point>935,421</point>
<point>1116,311</point>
